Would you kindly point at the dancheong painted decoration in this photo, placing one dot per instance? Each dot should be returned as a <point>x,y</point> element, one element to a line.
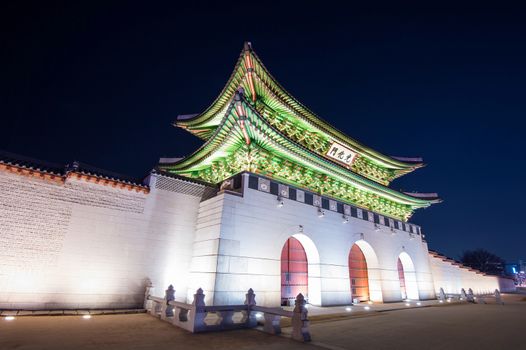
<point>255,125</point>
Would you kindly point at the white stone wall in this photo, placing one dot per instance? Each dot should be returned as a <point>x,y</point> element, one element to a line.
<point>86,245</point>
<point>453,278</point>
<point>239,242</point>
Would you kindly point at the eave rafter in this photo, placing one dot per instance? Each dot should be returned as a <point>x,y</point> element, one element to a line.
<point>242,124</point>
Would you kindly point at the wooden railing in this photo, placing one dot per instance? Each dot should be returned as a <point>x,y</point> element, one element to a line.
<point>198,317</point>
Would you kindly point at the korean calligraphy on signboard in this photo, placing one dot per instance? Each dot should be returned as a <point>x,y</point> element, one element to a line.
<point>341,153</point>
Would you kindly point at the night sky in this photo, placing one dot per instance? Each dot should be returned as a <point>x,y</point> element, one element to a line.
<point>102,84</point>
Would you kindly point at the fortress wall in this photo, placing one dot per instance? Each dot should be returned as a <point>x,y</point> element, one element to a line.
<point>246,238</point>
<point>452,278</point>
<point>85,245</point>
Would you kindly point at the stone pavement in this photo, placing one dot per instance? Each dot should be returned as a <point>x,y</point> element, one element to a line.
<point>388,326</point>
<point>460,326</point>
<point>126,332</point>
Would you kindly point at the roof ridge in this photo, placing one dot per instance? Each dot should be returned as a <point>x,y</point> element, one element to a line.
<point>18,160</point>
<point>10,157</point>
<point>304,111</point>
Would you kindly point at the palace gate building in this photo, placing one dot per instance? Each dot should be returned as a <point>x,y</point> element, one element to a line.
<point>276,199</point>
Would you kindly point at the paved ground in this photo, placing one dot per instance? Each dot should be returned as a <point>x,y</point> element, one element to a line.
<point>464,326</point>
<point>126,332</point>
<point>447,326</point>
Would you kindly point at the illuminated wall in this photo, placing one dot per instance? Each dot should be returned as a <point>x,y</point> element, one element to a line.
<point>239,241</point>
<point>86,245</point>
<point>453,278</point>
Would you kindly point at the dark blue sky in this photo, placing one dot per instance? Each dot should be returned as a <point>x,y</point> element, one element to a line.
<point>101,84</point>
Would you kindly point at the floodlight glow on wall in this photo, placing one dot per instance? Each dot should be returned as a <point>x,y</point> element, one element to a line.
<point>321,213</point>
<point>280,202</point>
<point>345,219</point>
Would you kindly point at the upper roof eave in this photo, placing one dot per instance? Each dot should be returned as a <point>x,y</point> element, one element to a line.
<point>364,181</point>
<point>401,164</point>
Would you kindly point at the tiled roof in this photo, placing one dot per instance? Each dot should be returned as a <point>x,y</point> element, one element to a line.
<point>162,172</point>
<point>86,169</point>
<point>19,161</point>
<point>13,159</point>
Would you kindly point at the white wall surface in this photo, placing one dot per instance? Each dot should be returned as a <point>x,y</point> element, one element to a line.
<point>86,245</point>
<point>453,278</point>
<point>240,241</point>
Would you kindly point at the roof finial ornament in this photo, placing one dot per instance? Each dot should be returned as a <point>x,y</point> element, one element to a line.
<point>247,46</point>
<point>74,166</point>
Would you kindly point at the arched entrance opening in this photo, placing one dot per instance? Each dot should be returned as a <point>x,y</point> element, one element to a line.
<point>370,278</point>
<point>407,277</point>
<point>294,271</point>
<point>358,274</point>
<point>401,277</point>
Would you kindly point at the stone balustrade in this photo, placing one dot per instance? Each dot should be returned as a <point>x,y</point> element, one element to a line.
<point>470,296</point>
<point>198,317</point>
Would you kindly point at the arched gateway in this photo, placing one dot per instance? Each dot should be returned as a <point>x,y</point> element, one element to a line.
<point>294,271</point>
<point>292,170</point>
<point>358,274</point>
<point>364,272</point>
<point>300,269</point>
<point>407,277</point>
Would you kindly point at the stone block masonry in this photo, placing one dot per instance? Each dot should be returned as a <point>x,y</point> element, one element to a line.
<point>85,245</point>
<point>77,244</point>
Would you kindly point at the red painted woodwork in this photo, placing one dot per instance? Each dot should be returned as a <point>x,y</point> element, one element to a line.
<point>294,271</point>
<point>358,274</point>
<point>401,277</point>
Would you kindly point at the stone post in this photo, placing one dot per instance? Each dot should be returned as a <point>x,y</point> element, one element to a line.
<point>463,295</point>
<point>442,295</point>
<point>148,291</point>
<point>250,301</point>
<point>300,321</point>
<point>470,296</point>
<point>250,298</point>
<point>199,313</point>
<point>169,295</point>
<point>199,299</point>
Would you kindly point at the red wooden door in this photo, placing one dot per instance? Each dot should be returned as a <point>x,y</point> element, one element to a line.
<point>294,271</point>
<point>358,274</point>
